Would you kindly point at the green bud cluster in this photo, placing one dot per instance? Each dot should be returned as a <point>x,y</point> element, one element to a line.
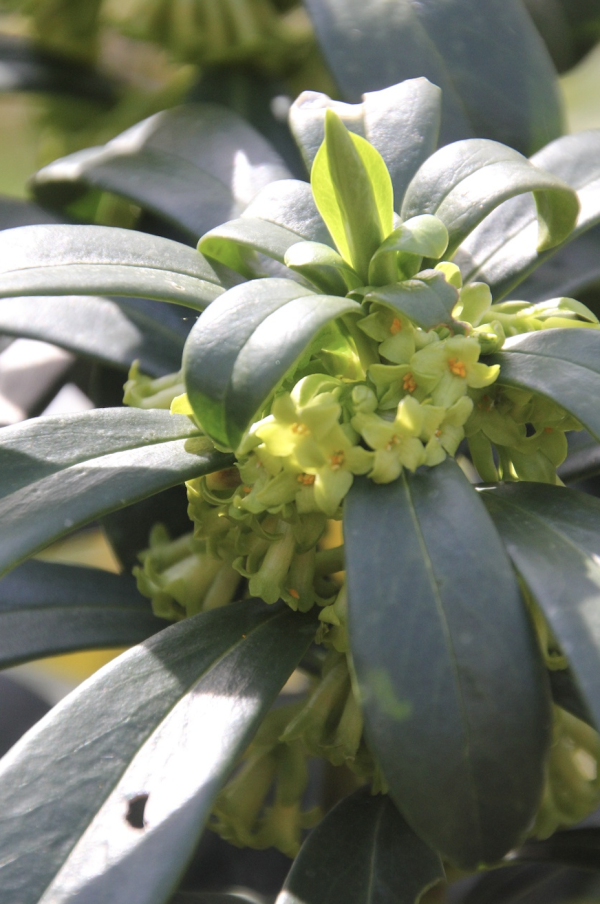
<point>182,578</point>
<point>141,391</point>
<point>262,805</point>
<point>397,384</point>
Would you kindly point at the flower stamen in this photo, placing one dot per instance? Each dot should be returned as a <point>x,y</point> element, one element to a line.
<point>457,367</point>
<point>409,384</point>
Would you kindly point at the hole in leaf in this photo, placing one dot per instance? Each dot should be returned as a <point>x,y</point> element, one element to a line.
<point>135,811</point>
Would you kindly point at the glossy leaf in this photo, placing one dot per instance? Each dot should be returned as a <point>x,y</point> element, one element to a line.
<point>561,364</point>
<point>101,260</point>
<point>229,372</point>
<point>534,519</point>
<point>464,182</point>
<point>281,215</point>
<point>94,327</point>
<point>363,852</point>
<point>105,798</point>
<point>402,122</point>
<point>472,51</point>
<point>503,250</point>
<point>443,648</point>
<point>57,473</point>
<point>195,166</point>
<point>428,299</point>
<point>47,609</point>
<point>570,272</point>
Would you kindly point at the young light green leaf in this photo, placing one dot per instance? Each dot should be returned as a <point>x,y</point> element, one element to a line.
<point>241,348</point>
<point>137,755</point>
<point>401,122</point>
<point>46,609</point>
<point>427,299</point>
<point>384,862</point>
<point>562,364</point>
<point>403,250</point>
<point>353,192</point>
<point>535,518</point>
<point>57,473</point>
<point>102,260</point>
<point>465,181</point>
<point>425,570</point>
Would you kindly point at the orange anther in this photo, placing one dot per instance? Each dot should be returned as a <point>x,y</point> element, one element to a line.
<point>409,383</point>
<point>396,326</point>
<point>548,429</point>
<point>306,480</point>
<point>457,367</point>
<point>336,460</point>
<point>294,593</point>
<point>391,443</point>
<point>300,429</point>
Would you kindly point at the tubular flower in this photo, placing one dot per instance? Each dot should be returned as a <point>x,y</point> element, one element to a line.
<point>446,369</point>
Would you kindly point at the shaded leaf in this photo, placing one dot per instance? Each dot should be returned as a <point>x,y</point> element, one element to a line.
<point>402,122</point>
<point>102,260</point>
<point>128,765</point>
<point>562,364</point>
<point>363,852</point>
<point>503,250</point>
<point>583,458</point>
<point>27,67</point>
<point>465,181</point>
<point>57,473</point>
<point>437,655</point>
<point>94,327</point>
<point>47,609</point>
<point>552,535</point>
<point>230,373</point>
<point>428,299</point>
<point>14,212</point>
<point>195,166</point>
<point>472,51</point>
<point>529,884</point>
<point>578,848</point>
<point>571,271</point>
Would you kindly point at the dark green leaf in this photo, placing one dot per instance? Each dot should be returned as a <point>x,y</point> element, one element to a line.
<point>530,884</point>
<point>128,529</point>
<point>101,260</point>
<point>428,299</point>
<point>26,67</point>
<point>47,609</point>
<point>195,166</point>
<point>363,852</point>
<point>567,694</point>
<point>229,372</point>
<point>97,328</point>
<point>583,458</point>
<point>57,473</point>
<point>570,271</point>
<point>503,250</point>
<point>161,726</point>
<point>552,535</point>
<point>579,848</point>
<point>561,364</point>
<point>473,51</point>
<point>464,182</point>
<point>453,690</point>
<point>14,212</point>
<point>402,122</point>
<point>290,203</point>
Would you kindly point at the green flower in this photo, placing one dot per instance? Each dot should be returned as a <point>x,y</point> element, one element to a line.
<point>396,442</point>
<point>332,460</point>
<point>446,369</point>
<point>443,429</point>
